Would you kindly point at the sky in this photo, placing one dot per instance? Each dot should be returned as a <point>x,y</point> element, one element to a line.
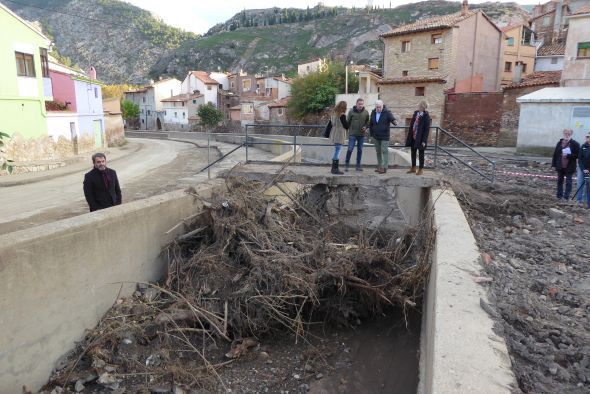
<point>197,17</point>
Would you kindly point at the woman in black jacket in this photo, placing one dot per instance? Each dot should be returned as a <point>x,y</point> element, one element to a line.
<point>417,138</point>
<point>564,162</point>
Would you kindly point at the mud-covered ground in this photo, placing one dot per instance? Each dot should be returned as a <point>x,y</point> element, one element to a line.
<point>537,253</point>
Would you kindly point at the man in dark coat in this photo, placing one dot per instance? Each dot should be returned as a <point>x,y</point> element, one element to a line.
<point>379,124</point>
<point>101,185</point>
<point>417,138</point>
<point>564,162</point>
<point>358,121</point>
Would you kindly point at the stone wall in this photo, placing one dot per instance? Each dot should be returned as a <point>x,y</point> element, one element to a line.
<point>114,130</point>
<point>473,118</point>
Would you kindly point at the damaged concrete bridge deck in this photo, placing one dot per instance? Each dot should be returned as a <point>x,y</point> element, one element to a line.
<point>313,174</point>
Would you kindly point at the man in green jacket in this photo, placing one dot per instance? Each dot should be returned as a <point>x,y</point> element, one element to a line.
<point>358,119</point>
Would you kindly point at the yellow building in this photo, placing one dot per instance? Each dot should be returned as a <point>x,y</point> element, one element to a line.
<point>519,51</point>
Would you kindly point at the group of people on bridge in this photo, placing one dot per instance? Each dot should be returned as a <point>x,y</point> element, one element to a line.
<point>352,129</point>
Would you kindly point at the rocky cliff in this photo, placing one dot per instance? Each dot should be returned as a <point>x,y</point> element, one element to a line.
<point>128,44</point>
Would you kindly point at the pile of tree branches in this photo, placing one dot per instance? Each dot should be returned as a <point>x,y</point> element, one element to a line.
<point>251,264</point>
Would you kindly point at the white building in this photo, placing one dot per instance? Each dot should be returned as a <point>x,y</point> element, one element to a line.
<point>221,78</point>
<point>149,99</point>
<point>199,82</point>
<point>178,111</point>
<point>277,87</point>
<point>550,57</point>
<point>314,65</point>
<point>545,113</point>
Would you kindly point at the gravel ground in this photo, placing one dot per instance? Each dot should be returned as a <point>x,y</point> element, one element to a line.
<point>536,253</point>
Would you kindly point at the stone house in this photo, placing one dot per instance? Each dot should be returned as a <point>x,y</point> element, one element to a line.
<point>457,53</point>
<point>241,82</point>
<point>576,67</point>
<point>149,99</point>
<point>199,82</point>
<point>310,66</point>
<point>519,52</point>
<point>278,111</point>
<point>276,88</point>
<point>550,57</point>
<point>24,88</point>
<point>180,112</point>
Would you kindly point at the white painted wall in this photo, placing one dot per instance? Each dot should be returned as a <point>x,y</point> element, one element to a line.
<point>544,63</point>
<point>173,113</point>
<point>58,124</point>
<point>221,78</point>
<point>541,124</point>
<point>27,87</point>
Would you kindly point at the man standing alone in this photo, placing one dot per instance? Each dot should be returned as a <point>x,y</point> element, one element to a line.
<point>101,185</point>
<point>358,119</point>
<point>379,123</point>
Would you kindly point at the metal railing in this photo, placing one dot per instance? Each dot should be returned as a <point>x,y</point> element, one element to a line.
<point>250,141</point>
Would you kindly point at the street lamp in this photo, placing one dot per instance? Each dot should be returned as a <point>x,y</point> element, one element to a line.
<point>346,77</point>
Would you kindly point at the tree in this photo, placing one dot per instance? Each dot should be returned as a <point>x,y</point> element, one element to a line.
<point>316,91</point>
<point>5,164</point>
<point>210,116</point>
<point>130,110</point>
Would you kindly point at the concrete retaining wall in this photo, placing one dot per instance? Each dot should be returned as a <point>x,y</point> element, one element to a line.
<point>59,279</point>
<point>460,353</point>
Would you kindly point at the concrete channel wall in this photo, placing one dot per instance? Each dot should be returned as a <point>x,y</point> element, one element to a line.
<point>59,279</point>
<point>460,353</point>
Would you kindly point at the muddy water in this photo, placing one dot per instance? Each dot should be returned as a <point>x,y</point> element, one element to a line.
<point>380,356</point>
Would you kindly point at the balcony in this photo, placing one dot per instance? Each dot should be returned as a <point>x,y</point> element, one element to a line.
<point>47,89</point>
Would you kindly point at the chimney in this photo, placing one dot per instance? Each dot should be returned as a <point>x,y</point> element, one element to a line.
<point>464,7</point>
<point>92,73</point>
<point>557,22</point>
<point>517,73</point>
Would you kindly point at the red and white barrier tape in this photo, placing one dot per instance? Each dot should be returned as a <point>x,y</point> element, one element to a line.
<point>527,174</point>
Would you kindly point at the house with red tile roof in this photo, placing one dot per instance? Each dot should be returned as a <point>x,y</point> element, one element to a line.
<point>180,111</point>
<point>576,67</point>
<point>550,57</point>
<point>200,82</point>
<point>459,53</point>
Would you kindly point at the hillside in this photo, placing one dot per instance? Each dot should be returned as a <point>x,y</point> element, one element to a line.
<point>120,40</point>
<point>350,34</point>
<point>127,44</point>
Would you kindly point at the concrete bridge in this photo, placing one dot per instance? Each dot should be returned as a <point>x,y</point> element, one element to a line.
<point>59,279</point>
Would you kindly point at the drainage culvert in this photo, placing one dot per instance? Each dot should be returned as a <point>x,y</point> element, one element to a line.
<point>316,289</point>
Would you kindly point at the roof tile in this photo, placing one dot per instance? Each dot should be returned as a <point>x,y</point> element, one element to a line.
<point>539,78</point>
<point>437,22</point>
<point>552,49</point>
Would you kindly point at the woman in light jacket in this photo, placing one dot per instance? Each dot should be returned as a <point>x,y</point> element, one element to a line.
<point>338,134</point>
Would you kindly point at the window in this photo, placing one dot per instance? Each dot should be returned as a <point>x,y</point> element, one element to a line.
<point>183,115</point>
<point>405,73</point>
<point>523,65</point>
<point>149,112</point>
<point>419,91</point>
<point>510,41</point>
<point>142,110</point>
<point>247,108</point>
<point>508,67</point>
<point>584,49</point>
<point>436,39</point>
<point>232,84</point>
<point>209,87</point>
<point>281,111</point>
<point>176,114</point>
<point>554,60</point>
<point>44,62</point>
<point>546,21</point>
<point>220,86</point>
<point>143,99</point>
<point>406,46</point>
<point>165,113</point>
<point>433,63</point>
<point>95,92</point>
<point>183,103</point>
<point>246,84</point>
<point>25,65</point>
<point>194,101</point>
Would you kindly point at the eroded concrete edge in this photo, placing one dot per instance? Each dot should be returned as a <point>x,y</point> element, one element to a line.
<point>460,353</point>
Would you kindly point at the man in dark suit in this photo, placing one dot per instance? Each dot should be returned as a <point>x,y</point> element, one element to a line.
<point>101,186</point>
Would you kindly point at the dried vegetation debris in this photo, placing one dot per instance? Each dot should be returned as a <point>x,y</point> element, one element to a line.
<point>247,267</point>
<point>537,254</point>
